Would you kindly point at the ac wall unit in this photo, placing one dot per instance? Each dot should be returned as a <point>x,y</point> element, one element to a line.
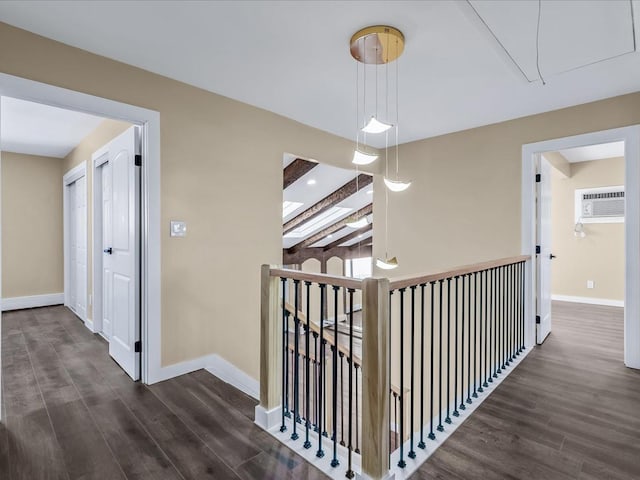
<point>600,205</point>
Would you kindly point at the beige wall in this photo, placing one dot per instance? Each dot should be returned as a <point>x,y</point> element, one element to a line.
<point>221,172</point>
<point>600,255</point>
<point>31,225</point>
<point>103,134</point>
<point>465,200</point>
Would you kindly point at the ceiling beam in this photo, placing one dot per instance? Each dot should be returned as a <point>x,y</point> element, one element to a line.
<point>329,201</point>
<point>295,170</point>
<point>340,224</point>
<point>344,253</point>
<point>349,236</point>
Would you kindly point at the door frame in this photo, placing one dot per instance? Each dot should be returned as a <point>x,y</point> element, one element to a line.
<point>70,177</point>
<point>631,137</point>
<point>149,120</point>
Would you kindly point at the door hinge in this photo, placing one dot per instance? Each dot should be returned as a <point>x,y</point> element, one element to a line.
<point>537,249</point>
<point>537,319</point>
<point>138,160</point>
<point>538,178</point>
<point>137,347</point>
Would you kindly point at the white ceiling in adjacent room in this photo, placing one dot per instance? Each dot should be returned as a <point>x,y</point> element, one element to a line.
<point>594,152</point>
<point>35,129</point>
<point>292,58</point>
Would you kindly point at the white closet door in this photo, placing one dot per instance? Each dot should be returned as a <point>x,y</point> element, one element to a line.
<point>81,246</point>
<point>73,250</point>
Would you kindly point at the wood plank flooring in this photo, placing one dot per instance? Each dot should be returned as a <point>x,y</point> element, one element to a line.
<point>71,413</point>
<point>569,411</point>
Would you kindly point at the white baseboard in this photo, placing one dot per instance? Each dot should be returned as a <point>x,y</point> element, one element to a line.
<point>215,365</point>
<point>182,368</point>
<point>34,301</point>
<point>588,300</point>
<point>231,374</point>
<point>267,419</point>
<point>90,325</point>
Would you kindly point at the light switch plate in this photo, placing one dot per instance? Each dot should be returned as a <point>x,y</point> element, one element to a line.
<point>178,229</point>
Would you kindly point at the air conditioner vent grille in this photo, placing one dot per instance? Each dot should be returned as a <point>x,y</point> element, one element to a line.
<point>598,205</point>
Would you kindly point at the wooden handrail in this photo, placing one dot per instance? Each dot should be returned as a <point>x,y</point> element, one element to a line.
<point>316,328</point>
<point>322,278</point>
<point>456,272</point>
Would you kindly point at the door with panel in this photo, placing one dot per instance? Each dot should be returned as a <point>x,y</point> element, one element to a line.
<point>120,224</point>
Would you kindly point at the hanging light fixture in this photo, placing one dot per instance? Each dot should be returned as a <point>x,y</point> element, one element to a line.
<point>375,46</point>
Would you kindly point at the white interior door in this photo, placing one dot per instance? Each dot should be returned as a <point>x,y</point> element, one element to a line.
<point>80,246</point>
<point>545,256</point>
<point>121,294</point>
<point>76,244</point>
<point>107,270</point>
<point>73,251</point>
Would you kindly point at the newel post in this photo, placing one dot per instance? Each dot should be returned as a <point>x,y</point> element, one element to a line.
<point>375,378</point>
<point>267,413</point>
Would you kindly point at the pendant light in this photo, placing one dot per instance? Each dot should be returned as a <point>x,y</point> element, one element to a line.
<point>375,46</point>
<point>361,158</point>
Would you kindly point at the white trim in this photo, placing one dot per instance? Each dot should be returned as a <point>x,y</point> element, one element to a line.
<point>75,173</point>
<point>89,324</point>
<point>151,295</point>
<point>267,419</point>
<point>588,300</point>
<point>33,301</point>
<point>631,137</point>
<point>70,177</point>
<point>96,246</point>
<point>231,374</point>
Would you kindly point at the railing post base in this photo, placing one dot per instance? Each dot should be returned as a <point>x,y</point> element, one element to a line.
<point>388,476</point>
<point>268,419</point>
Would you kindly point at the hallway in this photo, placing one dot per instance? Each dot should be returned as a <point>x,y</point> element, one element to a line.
<point>569,411</point>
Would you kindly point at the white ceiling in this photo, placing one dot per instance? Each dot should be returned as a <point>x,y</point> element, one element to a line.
<point>293,58</point>
<point>36,129</point>
<point>594,152</point>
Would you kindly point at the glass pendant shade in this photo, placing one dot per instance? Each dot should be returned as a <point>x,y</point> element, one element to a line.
<point>388,264</point>
<point>376,126</point>
<point>396,185</point>
<point>361,158</point>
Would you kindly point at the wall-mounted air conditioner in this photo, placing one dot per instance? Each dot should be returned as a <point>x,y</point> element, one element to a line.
<point>600,205</point>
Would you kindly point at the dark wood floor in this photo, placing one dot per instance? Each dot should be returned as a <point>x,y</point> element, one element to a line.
<point>71,413</point>
<point>571,410</point>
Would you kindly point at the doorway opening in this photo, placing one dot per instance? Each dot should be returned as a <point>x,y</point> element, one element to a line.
<point>47,186</point>
<point>592,183</point>
<point>150,308</point>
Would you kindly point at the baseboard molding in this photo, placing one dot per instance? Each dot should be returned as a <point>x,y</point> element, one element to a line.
<point>588,300</point>
<point>231,374</point>
<point>34,301</point>
<point>177,369</point>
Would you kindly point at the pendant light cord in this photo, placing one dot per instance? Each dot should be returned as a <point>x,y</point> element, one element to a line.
<point>538,42</point>
<point>397,112</point>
